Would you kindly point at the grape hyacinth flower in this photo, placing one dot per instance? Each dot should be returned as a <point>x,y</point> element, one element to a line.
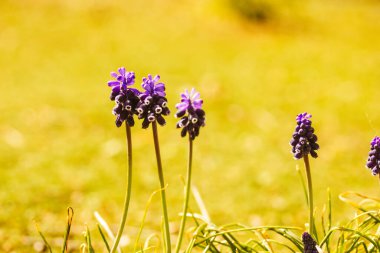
<point>304,140</point>
<point>373,162</point>
<point>310,246</point>
<point>192,118</point>
<point>153,103</point>
<point>195,118</point>
<point>126,98</point>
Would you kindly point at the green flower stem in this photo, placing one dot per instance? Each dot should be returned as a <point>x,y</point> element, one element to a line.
<point>310,194</point>
<point>162,185</point>
<point>128,193</point>
<point>187,195</point>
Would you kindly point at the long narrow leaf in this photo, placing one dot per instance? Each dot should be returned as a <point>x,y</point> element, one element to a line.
<point>106,227</point>
<point>43,237</point>
<point>88,241</point>
<point>103,238</point>
<point>144,217</point>
<point>70,214</point>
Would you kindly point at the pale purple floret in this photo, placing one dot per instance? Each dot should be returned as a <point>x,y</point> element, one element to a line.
<point>304,140</point>
<point>153,103</point>
<point>123,79</point>
<point>189,99</point>
<point>195,117</point>
<point>373,161</point>
<point>152,87</point>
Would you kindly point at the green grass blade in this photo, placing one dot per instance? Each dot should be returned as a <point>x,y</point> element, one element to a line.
<point>192,242</point>
<point>241,245</point>
<point>329,208</point>
<point>340,245</point>
<point>70,214</point>
<point>103,238</point>
<point>148,240</point>
<point>257,243</point>
<point>165,244</point>
<point>137,241</point>
<point>291,237</point>
<point>106,228</point>
<point>201,204</point>
<point>364,247</point>
<point>282,244</point>
<point>88,241</point>
<point>230,243</point>
<point>248,229</point>
<point>43,237</point>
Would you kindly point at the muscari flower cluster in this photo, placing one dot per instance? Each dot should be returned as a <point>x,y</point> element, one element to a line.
<point>152,103</point>
<point>126,98</point>
<point>373,161</point>
<point>191,114</point>
<point>310,246</point>
<point>304,140</point>
<point>149,105</point>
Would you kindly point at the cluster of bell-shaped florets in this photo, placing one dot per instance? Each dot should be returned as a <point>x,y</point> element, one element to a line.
<point>304,140</point>
<point>125,107</point>
<point>152,105</point>
<point>373,161</point>
<point>190,112</point>
<point>309,245</point>
<point>125,97</point>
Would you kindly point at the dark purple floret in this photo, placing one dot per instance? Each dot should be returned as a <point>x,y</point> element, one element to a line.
<point>190,112</point>
<point>125,98</point>
<point>304,140</point>
<point>152,104</point>
<point>309,245</point>
<point>373,161</point>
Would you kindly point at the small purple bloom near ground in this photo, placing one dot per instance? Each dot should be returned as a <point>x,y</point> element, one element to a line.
<point>310,246</point>
<point>373,162</point>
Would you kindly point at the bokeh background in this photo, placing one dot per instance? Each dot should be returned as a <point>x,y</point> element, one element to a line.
<point>257,64</point>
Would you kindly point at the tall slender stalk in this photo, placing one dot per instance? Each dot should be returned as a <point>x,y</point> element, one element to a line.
<point>162,185</point>
<point>187,195</point>
<point>128,192</point>
<point>310,194</point>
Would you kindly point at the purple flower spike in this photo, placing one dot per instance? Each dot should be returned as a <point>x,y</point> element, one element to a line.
<point>304,140</point>
<point>126,98</point>
<point>373,161</point>
<point>153,104</point>
<point>310,246</point>
<point>195,118</point>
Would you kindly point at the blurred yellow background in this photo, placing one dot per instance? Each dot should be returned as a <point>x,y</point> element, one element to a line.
<point>256,63</point>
